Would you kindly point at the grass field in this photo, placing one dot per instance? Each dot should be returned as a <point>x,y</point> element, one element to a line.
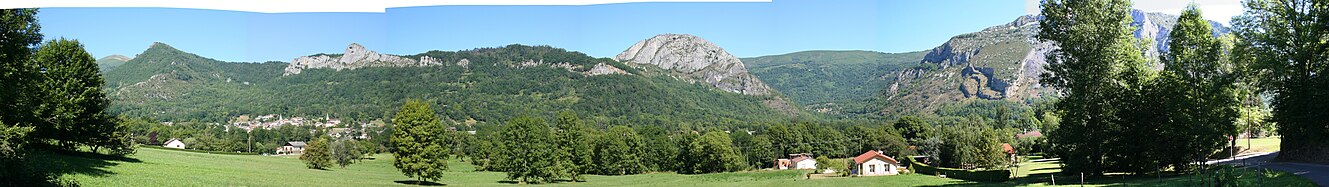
<point>1269,144</point>
<point>161,167</point>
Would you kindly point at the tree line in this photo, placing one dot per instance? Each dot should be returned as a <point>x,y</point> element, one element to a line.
<point>52,99</point>
<point>1118,114</point>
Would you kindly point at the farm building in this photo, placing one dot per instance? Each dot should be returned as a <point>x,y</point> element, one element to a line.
<point>873,163</point>
<point>797,161</point>
<point>174,143</point>
<point>291,148</point>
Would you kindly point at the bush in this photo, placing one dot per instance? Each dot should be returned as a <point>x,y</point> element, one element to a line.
<point>972,175</point>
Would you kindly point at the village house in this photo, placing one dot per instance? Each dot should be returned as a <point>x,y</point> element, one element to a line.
<point>873,163</point>
<point>174,143</point>
<point>1010,152</point>
<point>797,161</point>
<point>291,148</point>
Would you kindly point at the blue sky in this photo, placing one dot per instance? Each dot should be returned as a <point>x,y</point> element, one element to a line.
<point>744,29</point>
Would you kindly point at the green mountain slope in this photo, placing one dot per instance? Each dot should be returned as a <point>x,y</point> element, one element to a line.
<point>486,84</point>
<point>831,82</point>
<point>110,62</point>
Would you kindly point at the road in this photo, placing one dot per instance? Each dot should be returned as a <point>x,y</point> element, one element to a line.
<point>1315,172</point>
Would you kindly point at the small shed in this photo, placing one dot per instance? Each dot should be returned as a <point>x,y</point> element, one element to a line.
<point>174,143</point>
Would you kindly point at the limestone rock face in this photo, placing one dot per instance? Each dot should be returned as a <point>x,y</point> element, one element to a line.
<point>604,69</point>
<point>356,56</point>
<point>696,59</point>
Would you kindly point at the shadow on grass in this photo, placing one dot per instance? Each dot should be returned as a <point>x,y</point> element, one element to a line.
<point>62,162</point>
<point>419,183</point>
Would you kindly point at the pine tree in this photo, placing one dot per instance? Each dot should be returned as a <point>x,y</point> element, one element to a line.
<point>420,141</point>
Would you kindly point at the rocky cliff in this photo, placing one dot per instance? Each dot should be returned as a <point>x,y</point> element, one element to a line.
<point>695,59</point>
<point>1002,62</point>
<point>356,56</point>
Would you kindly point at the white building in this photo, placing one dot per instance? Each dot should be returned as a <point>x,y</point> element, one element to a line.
<point>797,161</point>
<point>174,143</point>
<point>873,163</point>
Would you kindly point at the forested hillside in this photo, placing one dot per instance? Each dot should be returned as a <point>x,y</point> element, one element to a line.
<point>493,84</point>
<point>832,82</point>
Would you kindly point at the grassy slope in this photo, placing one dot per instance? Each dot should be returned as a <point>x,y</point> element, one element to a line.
<point>160,167</point>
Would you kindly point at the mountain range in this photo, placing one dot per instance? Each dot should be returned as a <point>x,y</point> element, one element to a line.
<point>673,77</point>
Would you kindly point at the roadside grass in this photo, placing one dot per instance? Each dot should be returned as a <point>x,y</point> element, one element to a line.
<point>164,167</point>
<point>1267,144</point>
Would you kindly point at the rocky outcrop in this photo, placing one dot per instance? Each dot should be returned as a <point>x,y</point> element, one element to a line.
<point>356,56</point>
<point>603,69</point>
<point>695,59</point>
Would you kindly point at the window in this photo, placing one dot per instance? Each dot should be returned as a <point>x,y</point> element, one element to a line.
<point>872,168</point>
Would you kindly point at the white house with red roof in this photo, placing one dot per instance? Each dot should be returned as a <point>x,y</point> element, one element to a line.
<point>873,163</point>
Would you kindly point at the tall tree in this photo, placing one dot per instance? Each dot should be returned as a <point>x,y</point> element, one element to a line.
<point>316,155</point>
<point>1199,83</point>
<point>1284,41</point>
<point>710,153</point>
<point>619,152</point>
<point>74,109</point>
<point>20,31</point>
<point>576,142</point>
<point>1096,50</point>
<point>421,150</point>
<point>524,151</point>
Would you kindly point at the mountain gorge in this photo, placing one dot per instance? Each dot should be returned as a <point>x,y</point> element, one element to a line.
<point>1000,63</point>
<point>478,85</point>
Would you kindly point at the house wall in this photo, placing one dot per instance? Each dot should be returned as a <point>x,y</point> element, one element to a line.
<point>806,164</point>
<point>881,168</point>
<point>176,144</point>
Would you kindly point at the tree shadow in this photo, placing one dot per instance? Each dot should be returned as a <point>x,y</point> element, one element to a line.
<point>62,162</point>
<point>419,183</point>
<point>508,182</point>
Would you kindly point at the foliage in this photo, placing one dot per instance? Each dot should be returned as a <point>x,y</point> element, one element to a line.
<point>971,146</point>
<point>419,140</point>
<point>1283,42</point>
<point>710,153</point>
<point>756,149</point>
<point>832,82</point>
<point>524,151</point>
<point>881,138</point>
<point>577,142</point>
<point>179,86</point>
<point>316,155</point>
<point>1093,69</point>
<point>345,151</point>
<point>619,152</point>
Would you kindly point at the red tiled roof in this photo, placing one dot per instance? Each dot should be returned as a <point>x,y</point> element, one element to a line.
<point>873,154</point>
<point>1007,148</point>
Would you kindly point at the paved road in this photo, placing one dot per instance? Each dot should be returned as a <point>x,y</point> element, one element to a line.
<point>1315,172</point>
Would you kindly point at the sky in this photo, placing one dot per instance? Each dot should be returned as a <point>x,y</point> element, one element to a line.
<point>745,29</point>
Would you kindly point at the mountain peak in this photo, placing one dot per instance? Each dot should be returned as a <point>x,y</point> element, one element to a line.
<point>695,58</point>
<point>159,46</point>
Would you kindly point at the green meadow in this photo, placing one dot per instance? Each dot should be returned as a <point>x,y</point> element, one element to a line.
<point>164,167</point>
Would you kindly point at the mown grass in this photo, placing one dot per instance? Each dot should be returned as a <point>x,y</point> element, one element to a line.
<point>1268,144</point>
<point>162,167</point>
